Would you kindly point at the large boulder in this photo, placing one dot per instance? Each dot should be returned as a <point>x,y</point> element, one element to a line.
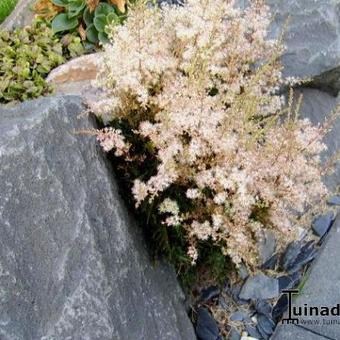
<point>312,38</point>
<point>72,261</point>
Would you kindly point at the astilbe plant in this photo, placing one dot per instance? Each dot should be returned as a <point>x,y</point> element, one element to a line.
<point>198,84</point>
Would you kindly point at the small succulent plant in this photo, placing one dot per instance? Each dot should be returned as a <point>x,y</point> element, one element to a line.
<point>98,21</point>
<point>27,55</point>
<point>89,17</point>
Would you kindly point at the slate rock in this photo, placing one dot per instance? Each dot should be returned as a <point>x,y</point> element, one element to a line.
<point>263,307</point>
<point>206,327</point>
<point>259,286</point>
<point>265,325</point>
<point>308,253</point>
<point>252,332</point>
<point>242,271</point>
<point>316,106</point>
<point>234,334</point>
<point>267,246</point>
<point>291,253</point>
<point>312,39</point>
<point>322,224</point>
<point>280,308</point>
<point>289,281</point>
<point>238,316</point>
<point>73,263</point>
<point>209,293</point>
<point>335,200</point>
<point>271,262</point>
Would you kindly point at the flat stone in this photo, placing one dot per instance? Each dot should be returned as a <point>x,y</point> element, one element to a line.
<point>322,223</point>
<point>322,288</point>
<point>259,286</point>
<point>238,316</point>
<point>73,263</point>
<point>206,328</point>
<point>293,332</point>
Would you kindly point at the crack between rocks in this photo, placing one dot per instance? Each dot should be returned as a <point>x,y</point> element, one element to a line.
<point>314,332</point>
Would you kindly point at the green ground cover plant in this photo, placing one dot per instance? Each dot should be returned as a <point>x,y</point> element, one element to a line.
<point>6,7</point>
<point>27,55</point>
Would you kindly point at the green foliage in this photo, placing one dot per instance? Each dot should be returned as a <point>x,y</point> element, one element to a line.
<point>165,241</point>
<point>26,57</point>
<point>97,22</point>
<point>6,7</point>
<point>77,14</point>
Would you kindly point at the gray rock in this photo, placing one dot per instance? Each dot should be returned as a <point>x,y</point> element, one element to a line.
<point>308,253</point>
<point>242,271</point>
<point>73,264</point>
<point>312,39</point>
<point>289,281</point>
<point>238,316</point>
<point>290,255</point>
<point>335,200</point>
<point>263,307</point>
<point>322,223</point>
<point>271,262</point>
<point>280,308</point>
<point>265,325</point>
<point>267,246</point>
<point>21,16</point>
<point>206,328</point>
<point>259,286</point>
<point>252,331</point>
<point>234,334</point>
<point>321,288</point>
<point>209,293</point>
<point>316,106</point>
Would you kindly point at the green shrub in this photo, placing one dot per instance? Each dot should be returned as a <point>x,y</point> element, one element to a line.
<point>6,7</point>
<point>27,55</point>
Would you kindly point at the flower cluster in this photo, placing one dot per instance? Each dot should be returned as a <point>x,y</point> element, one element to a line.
<point>200,82</point>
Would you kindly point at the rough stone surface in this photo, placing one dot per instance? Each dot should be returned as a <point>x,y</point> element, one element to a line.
<point>322,223</point>
<point>322,288</point>
<point>206,328</point>
<point>312,39</point>
<point>290,332</point>
<point>76,76</point>
<point>259,286</point>
<point>21,15</point>
<point>316,106</point>
<point>267,246</point>
<point>72,262</point>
